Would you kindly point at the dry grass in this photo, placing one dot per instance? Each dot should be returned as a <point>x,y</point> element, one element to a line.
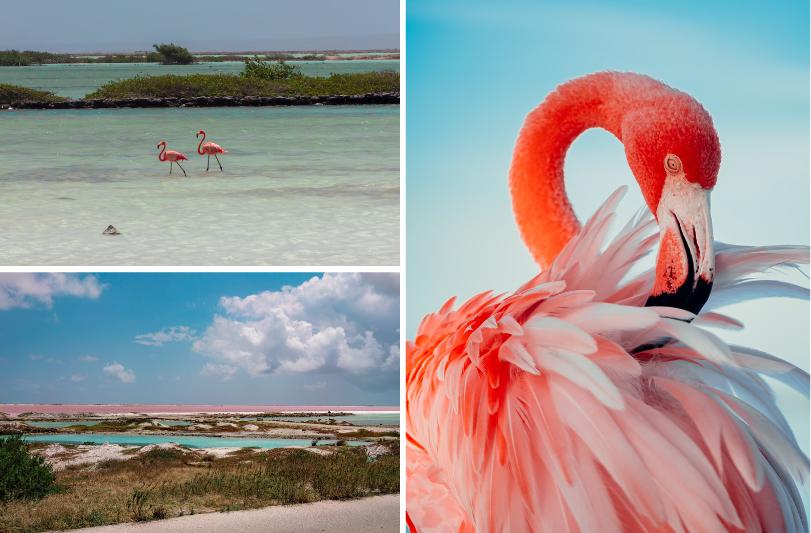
<point>164,483</point>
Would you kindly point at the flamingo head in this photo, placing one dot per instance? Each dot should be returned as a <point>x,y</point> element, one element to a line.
<point>674,153</point>
<point>201,132</point>
<point>162,143</point>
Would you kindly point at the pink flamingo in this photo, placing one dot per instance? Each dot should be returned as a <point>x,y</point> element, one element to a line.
<point>171,156</point>
<point>209,149</point>
<point>586,401</point>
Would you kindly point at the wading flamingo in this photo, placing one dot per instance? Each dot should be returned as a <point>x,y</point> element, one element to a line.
<point>171,156</point>
<point>585,401</point>
<point>209,149</point>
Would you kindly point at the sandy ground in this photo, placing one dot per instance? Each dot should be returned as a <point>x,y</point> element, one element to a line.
<point>375,514</point>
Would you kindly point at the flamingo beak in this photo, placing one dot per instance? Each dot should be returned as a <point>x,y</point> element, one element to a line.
<point>686,263</point>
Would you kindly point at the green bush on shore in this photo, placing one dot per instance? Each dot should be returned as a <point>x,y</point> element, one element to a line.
<point>15,93</point>
<point>194,85</point>
<point>255,67</point>
<point>172,54</point>
<point>23,476</point>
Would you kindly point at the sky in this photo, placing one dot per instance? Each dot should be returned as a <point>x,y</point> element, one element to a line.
<point>474,70</point>
<point>200,25</point>
<point>291,339</point>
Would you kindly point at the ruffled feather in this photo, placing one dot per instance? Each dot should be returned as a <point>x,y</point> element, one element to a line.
<point>567,406</point>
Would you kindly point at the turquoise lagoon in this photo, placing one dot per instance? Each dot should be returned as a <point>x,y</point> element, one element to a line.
<point>315,185</point>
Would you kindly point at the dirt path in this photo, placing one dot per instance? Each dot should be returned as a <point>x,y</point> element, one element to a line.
<point>368,515</point>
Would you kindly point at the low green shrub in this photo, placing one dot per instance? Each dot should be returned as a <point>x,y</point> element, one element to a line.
<point>14,93</point>
<point>255,67</point>
<point>195,85</point>
<point>22,474</point>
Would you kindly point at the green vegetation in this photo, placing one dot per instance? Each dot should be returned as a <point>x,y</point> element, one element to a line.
<point>23,475</point>
<point>230,85</point>
<point>172,54</point>
<point>256,68</point>
<point>15,58</point>
<point>14,93</point>
<point>166,483</point>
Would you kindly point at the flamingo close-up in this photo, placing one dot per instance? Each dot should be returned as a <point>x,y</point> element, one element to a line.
<point>172,156</point>
<point>594,397</point>
<point>208,149</point>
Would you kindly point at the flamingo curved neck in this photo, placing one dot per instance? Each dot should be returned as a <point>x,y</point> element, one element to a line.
<point>542,209</point>
<point>200,144</point>
<point>162,154</point>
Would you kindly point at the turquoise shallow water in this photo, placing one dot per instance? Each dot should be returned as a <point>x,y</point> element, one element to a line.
<point>77,80</point>
<point>189,441</point>
<point>60,424</point>
<point>316,185</point>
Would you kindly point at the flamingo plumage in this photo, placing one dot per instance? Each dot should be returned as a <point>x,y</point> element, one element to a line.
<point>209,149</point>
<point>591,399</point>
<point>172,156</point>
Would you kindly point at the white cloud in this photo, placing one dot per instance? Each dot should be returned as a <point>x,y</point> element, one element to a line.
<point>88,358</point>
<point>77,378</point>
<point>345,323</point>
<point>29,289</point>
<point>117,370</point>
<point>171,334</point>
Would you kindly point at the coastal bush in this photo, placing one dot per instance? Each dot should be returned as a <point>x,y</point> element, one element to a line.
<point>256,68</point>
<point>213,85</point>
<point>14,93</point>
<point>165,486</point>
<point>172,54</point>
<point>22,474</point>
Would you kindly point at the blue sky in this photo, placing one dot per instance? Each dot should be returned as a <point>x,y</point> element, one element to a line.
<point>199,338</point>
<point>475,69</point>
<point>104,26</point>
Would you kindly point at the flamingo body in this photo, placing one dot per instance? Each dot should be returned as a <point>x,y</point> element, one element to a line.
<point>577,403</point>
<point>208,149</point>
<point>172,156</point>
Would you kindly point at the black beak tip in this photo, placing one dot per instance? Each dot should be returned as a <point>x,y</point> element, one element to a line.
<point>689,298</point>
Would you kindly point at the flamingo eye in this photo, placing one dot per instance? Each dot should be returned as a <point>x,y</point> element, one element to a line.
<point>673,164</point>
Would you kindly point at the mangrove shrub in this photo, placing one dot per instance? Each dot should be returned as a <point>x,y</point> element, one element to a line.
<point>22,474</point>
<point>173,54</point>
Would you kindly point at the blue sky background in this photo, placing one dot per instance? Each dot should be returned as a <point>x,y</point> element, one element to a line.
<point>212,25</point>
<point>57,336</point>
<point>475,69</point>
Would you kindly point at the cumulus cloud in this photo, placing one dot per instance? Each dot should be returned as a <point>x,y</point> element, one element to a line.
<point>27,289</point>
<point>117,370</point>
<point>88,358</point>
<point>77,378</point>
<point>342,322</point>
<point>171,334</point>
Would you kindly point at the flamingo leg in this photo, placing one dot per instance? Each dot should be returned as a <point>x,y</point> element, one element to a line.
<point>218,161</point>
<point>208,161</point>
<point>170,167</point>
<point>181,168</point>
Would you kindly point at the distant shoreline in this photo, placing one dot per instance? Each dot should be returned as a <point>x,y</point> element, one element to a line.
<point>176,409</point>
<point>211,101</point>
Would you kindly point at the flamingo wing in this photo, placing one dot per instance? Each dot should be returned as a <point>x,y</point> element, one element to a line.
<point>213,148</point>
<point>172,155</point>
<point>567,406</point>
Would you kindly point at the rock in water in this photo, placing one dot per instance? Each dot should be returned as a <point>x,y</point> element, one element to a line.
<point>111,231</point>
